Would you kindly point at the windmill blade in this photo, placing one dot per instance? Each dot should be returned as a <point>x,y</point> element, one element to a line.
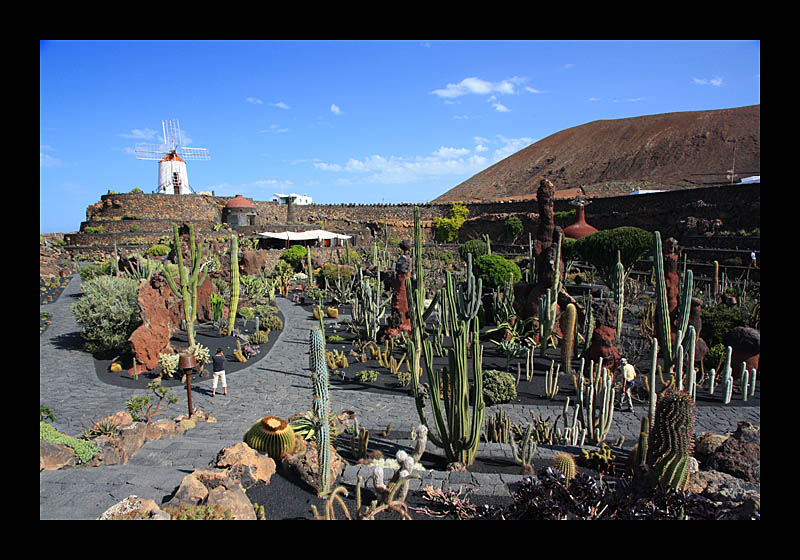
<point>151,151</point>
<point>172,132</point>
<point>195,154</point>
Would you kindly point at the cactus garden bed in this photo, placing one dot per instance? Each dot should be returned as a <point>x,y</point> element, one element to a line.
<point>206,335</point>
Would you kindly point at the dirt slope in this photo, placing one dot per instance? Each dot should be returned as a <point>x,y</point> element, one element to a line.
<point>669,150</point>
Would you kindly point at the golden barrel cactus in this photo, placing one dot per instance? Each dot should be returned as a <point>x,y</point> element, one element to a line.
<point>271,435</point>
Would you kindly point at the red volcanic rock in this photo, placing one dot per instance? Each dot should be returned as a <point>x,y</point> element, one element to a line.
<point>153,335</point>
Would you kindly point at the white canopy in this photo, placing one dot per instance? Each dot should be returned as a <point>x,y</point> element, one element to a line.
<point>311,235</point>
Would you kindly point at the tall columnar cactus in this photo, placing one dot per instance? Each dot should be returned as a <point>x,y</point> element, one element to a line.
<point>652,381</point>
<point>467,301</point>
<point>662,308</point>
<point>568,320</point>
<point>671,439</point>
<point>548,303</point>
<point>234,282</point>
<point>596,399</point>
<point>619,292</point>
<point>320,406</point>
<point>524,451</point>
<point>189,280</point>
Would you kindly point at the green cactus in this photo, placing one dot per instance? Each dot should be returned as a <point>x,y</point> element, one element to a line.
<point>619,292</point>
<point>188,281</point>
<point>568,320</point>
<point>320,405</point>
<point>565,464</point>
<point>234,282</point>
<point>671,439</point>
<point>271,435</point>
<point>662,311</point>
<point>524,451</point>
<point>596,400</point>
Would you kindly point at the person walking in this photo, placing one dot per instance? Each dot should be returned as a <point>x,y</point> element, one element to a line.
<point>628,380</point>
<point>219,373</point>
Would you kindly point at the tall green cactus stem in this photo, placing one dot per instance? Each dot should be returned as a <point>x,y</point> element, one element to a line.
<point>727,376</point>
<point>652,379</point>
<point>716,278</point>
<point>745,380</point>
<point>644,436</point>
<point>711,379</point>
<point>597,402</point>
<point>234,282</point>
<point>320,406</point>
<point>551,380</point>
<point>568,320</point>
<point>671,440</point>
<point>753,373</point>
<point>458,427</point>
<point>662,309</point>
<point>692,377</point>
<point>619,292</point>
<point>189,280</point>
<point>468,301</point>
<point>524,451</point>
<point>310,270</point>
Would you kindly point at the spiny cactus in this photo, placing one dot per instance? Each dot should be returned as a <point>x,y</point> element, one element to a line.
<point>187,292</point>
<point>568,319</point>
<point>234,282</point>
<point>619,292</point>
<point>320,405</point>
<point>271,435</point>
<point>662,311</point>
<point>671,439</point>
<point>565,464</point>
<point>524,451</point>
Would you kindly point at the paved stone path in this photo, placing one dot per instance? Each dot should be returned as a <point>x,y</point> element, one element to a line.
<point>278,384</point>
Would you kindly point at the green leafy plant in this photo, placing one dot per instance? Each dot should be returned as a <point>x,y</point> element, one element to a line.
<point>600,249</point>
<point>514,228</point>
<point>143,409</point>
<point>494,270</point>
<point>108,313</point>
<point>83,449</point>
<point>476,247</point>
<point>294,255</point>
<point>272,323</point>
<point>446,229</point>
<point>367,375</point>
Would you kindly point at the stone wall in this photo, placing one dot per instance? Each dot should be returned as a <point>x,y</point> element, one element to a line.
<point>673,213</point>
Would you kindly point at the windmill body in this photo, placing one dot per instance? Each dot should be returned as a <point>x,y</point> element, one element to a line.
<point>172,156</point>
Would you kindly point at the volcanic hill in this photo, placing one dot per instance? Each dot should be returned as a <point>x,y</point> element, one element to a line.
<point>611,157</point>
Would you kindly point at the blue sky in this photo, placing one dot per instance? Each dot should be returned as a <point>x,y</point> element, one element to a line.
<point>348,121</point>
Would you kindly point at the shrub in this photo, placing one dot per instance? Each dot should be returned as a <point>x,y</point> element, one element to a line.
<point>246,313</point>
<point>514,228</point>
<point>446,229</point>
<point>494,270</point>
<point>294,255</point>
<point>329,273</point>
<point>498,387</point>
<point>714,357</point>
<point>94,229</point>
<point>264,311</point>
<point>367,375</point>
<point>600,249</point>
<point>91,271</point>
<point>108,312</point>
<point>157,250</point>
<point>719,319</point>
<point>475,246</point>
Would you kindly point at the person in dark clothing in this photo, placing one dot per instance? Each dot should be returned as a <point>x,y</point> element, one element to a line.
<point>219,373</point>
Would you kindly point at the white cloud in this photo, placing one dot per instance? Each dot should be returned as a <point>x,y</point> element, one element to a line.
<point>629,100</point>
<point>457,162</point>
<point>142,134</point>
<point>254,100</point>
<point>715,81</point>
<point>335,109</point>
<point>275,128</point>
<point>46,160</point>
<point>280,105</point>
<point>533,90</point>
<point>499,107</point>
<point>475,86</point>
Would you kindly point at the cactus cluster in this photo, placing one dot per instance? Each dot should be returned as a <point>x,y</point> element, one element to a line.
<point>234,282</point>
<point>187,291</point>
<point>271,435</point>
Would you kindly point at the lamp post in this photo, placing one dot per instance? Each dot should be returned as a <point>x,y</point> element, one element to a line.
<point>187,364</point>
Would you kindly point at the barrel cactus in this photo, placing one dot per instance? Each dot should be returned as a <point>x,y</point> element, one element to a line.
<point>271,435</point>
<point>565,464</point>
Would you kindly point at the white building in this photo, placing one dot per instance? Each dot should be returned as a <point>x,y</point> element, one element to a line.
<point>172,176</point>
<point>297,199</point>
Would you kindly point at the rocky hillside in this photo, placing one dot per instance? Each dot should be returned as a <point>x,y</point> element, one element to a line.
<point>608,157</point>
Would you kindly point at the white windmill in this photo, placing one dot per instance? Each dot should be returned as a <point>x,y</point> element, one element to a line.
<point>172,158</point>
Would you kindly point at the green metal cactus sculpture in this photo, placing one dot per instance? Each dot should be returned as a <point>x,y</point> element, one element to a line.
<point>320,406</point>
<point>234,282</point>
<point>189,280</point>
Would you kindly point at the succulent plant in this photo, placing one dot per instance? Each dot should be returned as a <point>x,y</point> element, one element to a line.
<point>271,435</point>
<point>565,464</point>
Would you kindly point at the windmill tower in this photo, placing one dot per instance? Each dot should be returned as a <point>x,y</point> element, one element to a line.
<point>172,157</point>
